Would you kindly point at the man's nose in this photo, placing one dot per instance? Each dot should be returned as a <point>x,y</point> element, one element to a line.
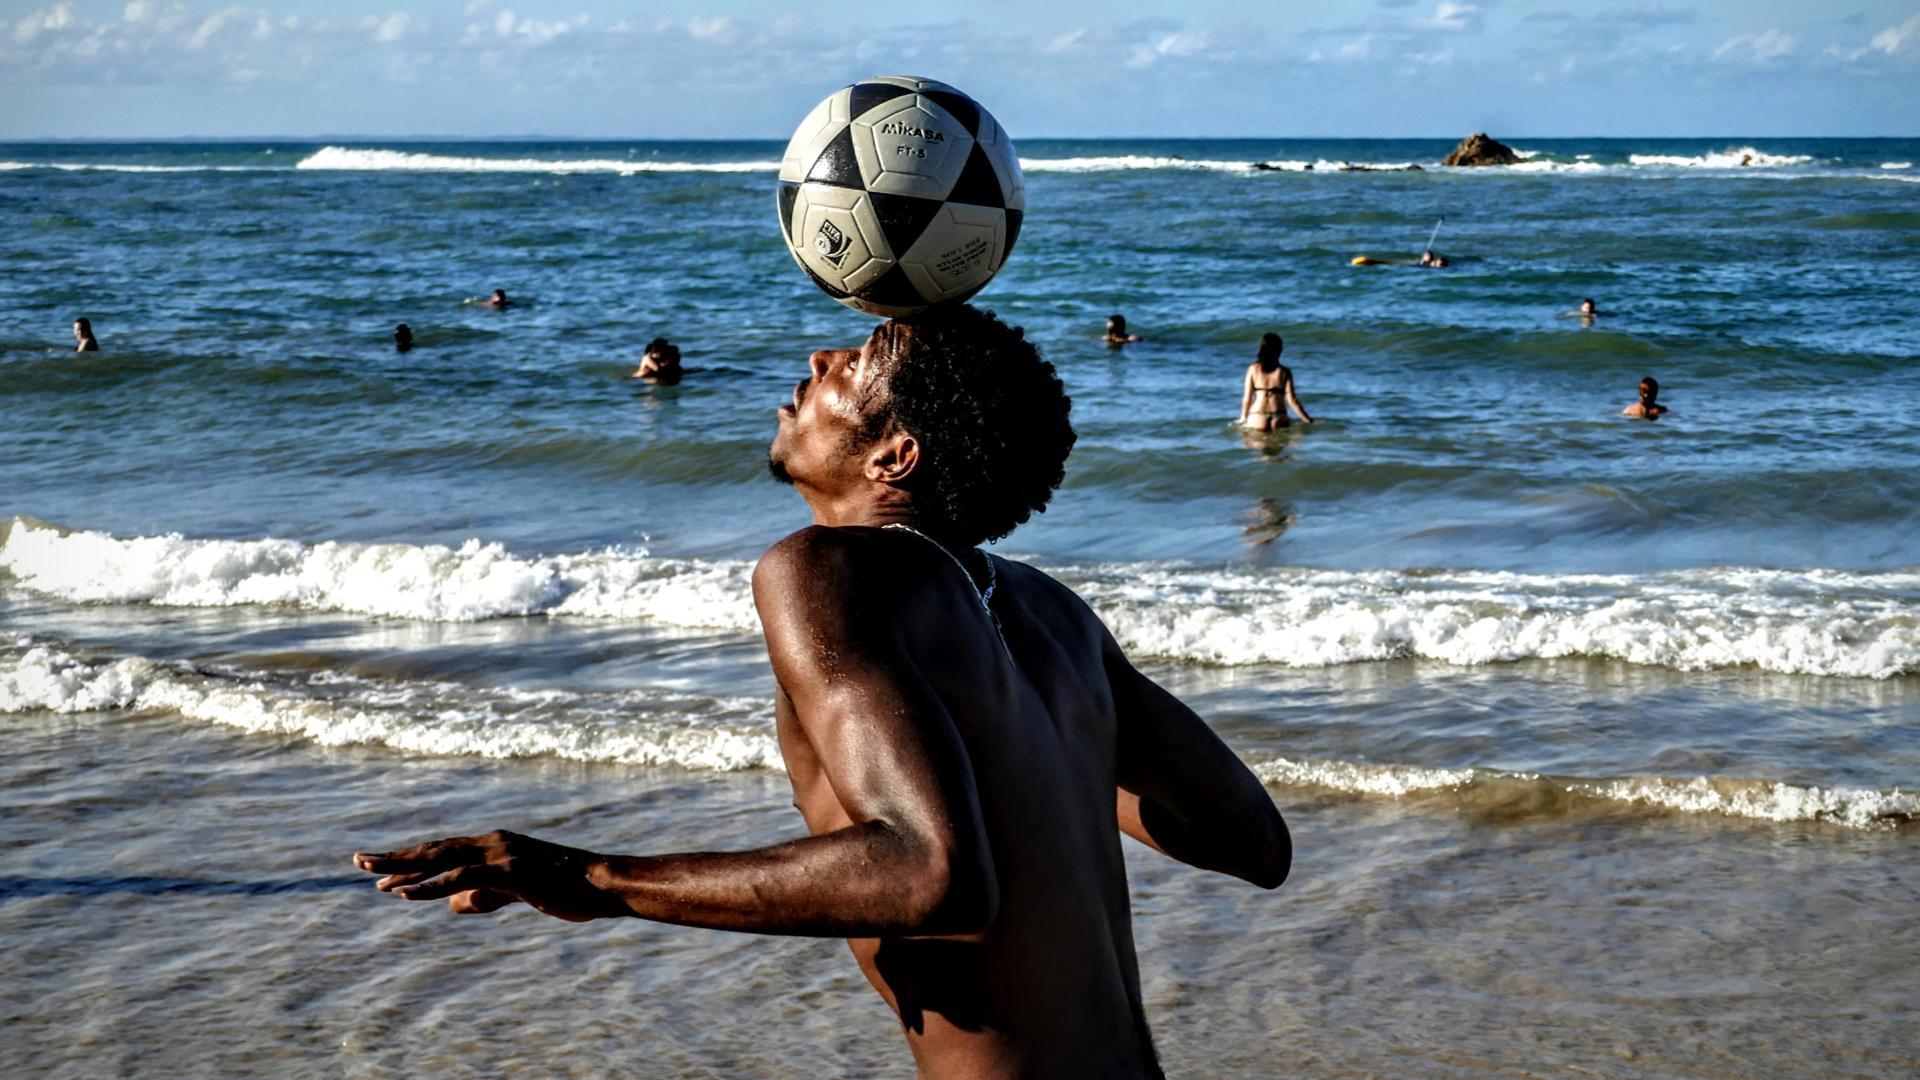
<point>817,363</point>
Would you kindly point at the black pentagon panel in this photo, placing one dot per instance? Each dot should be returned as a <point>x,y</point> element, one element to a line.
<point>978,185</point>
<point>837,164</point>
<point>787,194</point>
<point>902,218</point>
<point>868,94</point>
<point>893,289</point>
<point>831,290</point>
<point>1013,233</point>
<point>961,106</point>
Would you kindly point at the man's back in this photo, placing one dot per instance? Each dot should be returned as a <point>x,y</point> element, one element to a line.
<point>1051,987</point>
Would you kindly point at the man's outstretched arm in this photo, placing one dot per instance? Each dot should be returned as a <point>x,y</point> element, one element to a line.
<point>1183,792</point>
<point>914,861</point>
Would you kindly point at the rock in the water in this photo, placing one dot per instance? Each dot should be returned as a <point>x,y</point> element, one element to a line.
<point>1482,149</point>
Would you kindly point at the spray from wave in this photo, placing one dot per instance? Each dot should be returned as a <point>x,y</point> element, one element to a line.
<point>1811,622</point>
<point>657,727</point>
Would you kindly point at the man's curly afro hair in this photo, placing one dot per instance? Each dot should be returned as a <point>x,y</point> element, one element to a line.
<point>990,417</point>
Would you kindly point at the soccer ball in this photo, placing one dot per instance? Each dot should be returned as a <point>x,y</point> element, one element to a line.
<point>898,193</point>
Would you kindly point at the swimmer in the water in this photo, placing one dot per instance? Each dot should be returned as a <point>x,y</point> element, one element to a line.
<point>403,338</point>
<point>1587,312</point>
<point>1646,408</point>
<point>83,336</point>
<point>1268,391</point>
<point>497,301</point>
<point>661,364</point>
<point>1432,258</point>
<point>1117,331</point>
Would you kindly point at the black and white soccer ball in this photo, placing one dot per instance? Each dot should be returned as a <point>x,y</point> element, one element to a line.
<point>898,193</point>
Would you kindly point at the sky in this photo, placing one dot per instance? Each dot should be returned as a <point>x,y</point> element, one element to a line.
<point>1046,68</point>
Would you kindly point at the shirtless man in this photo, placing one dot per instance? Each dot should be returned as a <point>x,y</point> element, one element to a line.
<point>1646,408</point>
<point>498,301</point>
<point>1586,313</point>
<point>1432,259</point>
<point>965,740</point>
<point>1117,334</point>
<point>83,336</point>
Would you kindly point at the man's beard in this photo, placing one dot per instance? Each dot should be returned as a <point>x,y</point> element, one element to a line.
<point>779,471</point>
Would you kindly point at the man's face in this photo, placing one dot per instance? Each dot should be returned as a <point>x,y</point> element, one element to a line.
<point>815,442</point>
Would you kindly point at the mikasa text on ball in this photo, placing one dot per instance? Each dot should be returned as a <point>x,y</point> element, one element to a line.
<point>898,193</point>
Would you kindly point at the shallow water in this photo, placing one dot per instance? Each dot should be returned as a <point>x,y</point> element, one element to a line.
<point>1598,738</point>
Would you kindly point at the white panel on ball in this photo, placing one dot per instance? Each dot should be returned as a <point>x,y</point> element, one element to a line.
<point>958,253</point>
<point>836,237</point>
<point>910,146</point>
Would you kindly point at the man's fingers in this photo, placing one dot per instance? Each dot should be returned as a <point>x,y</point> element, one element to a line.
<point>398,881</point>
<point>479,901</point>
<point>461,880</point>
<point>432,857</point>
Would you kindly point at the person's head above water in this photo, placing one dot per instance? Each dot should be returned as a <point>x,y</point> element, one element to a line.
<point>82,328</point>
<point>1116,325</point>
<point>499,296</point>
<point>1270,349</point>
<point>403,337</point>
<point>1650,389</point>
<point>951,422</point>
<point>1587,307</point>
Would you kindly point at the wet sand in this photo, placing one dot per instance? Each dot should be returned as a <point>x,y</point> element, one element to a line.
<point>177,900</point>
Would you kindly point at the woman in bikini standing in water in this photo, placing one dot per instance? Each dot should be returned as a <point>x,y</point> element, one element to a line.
<point>1269,383</point>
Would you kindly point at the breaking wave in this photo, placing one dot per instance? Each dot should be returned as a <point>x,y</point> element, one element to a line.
<point>1740,157</point>
<point>1811,622</point>
<point>714,734</point>
<point>344,158</point>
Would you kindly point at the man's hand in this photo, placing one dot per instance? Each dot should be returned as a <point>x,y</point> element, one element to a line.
<point>482,874</point>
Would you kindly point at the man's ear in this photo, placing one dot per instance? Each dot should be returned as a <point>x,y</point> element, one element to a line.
<point>893,459</point>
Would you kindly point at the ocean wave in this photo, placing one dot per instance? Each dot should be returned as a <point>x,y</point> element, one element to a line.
<point>357,159</point>
<point>1736,158</point>
<point>667,728</point>
<point>1811,622</point>
<point>1526,796</point>
<point>1896,164</point>
<point>429,582</point>
<point>645,727</point>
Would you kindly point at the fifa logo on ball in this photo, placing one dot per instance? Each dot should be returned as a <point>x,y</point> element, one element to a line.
<point>831,243</point>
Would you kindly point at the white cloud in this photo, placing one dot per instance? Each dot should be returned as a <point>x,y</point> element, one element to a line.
<point>1174,44</point>
<point>391,28</point>
<point>1758,47</point>
<point>1358,48</point>
<point>1451,16</point>
<point>137,11</point>
<point>1896,38</point>
<point>708,28</point>
<point>57,17</point>
<point>215,23</point>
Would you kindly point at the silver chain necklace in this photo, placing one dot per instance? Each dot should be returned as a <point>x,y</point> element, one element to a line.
<point>985,595</point>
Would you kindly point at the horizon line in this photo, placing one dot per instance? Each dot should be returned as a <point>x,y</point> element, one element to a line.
<point>418,137</point>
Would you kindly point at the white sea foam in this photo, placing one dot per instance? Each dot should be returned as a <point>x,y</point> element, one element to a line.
<point>1816,622</point>
<point>430,582</point>
<point>359,159</point>
<point>1533,794</point>
<point>1896,164</point>
<point>630,727</point>
<point>1128,162</point>
<point>663,727</point>
<point>1736,158</point>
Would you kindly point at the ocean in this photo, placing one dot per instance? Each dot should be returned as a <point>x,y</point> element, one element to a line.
<point>1599,739</point>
